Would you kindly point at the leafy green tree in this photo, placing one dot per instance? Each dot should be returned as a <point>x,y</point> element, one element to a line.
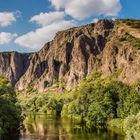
<point>10,112</point>
<point>102,105</point>
<point>55,105</point>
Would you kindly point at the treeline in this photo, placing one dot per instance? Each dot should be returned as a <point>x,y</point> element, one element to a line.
<point>44,103</point>
<point>96,101</point>
<point>10,112</point>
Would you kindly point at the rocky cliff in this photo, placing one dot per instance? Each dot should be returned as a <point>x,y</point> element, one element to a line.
<point>74,53</point>
<point>13,65</point>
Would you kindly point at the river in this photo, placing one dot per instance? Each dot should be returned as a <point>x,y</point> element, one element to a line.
<point>47,127</point>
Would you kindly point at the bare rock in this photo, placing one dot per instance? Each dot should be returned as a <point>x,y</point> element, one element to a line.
<point>72,55</point>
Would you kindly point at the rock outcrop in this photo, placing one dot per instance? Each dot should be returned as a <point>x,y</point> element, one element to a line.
<point>13,65</point>
<point>73,54</point>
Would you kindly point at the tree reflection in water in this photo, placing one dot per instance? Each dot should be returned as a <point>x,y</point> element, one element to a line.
<point>47,127</point>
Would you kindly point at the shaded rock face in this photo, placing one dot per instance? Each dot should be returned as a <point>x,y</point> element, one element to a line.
<point>72,55</point>
<point>13,65</point>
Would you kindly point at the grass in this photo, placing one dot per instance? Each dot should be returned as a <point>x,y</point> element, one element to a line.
<point>135,42</point>
<point>132,23</point>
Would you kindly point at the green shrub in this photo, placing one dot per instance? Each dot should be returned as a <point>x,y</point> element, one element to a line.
<point>10,111</point>
<point>132,127</point>
<point>135,42</point>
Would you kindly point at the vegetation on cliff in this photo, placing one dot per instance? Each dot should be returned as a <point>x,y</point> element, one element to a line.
<point>135,42</point>
<point>132,23</point>
<point>74,53</point>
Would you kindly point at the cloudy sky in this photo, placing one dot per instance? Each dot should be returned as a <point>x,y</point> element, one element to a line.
<point>25,25</point>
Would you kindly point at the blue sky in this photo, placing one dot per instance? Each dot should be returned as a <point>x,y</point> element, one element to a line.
<point>25,25</point>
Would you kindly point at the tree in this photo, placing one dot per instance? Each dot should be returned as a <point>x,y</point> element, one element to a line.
<point>55,105</point>
<point>10,112</point>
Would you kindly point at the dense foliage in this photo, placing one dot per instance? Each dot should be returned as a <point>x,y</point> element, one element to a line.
<point>100,100</point>
<point>95,102</point>
<point>42,103</point>
<point>10,112</point>
<point>132,127</point>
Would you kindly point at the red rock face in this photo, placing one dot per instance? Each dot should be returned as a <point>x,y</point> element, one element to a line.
<point>72,55</point>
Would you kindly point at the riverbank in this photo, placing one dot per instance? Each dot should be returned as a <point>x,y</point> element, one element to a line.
<point>96,101</point>
<point>129,126</point>
<point>43,126</point>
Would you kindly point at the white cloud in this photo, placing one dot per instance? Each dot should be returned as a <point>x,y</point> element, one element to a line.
<point>6,37</point>
<point>95,20</point>
<point>36,39</point>
<point>44,19</point>
<point>59,3</point>
<point>50,23</point>
<point>82,9</point>
<point>113,19</point>
<point>7,18</point>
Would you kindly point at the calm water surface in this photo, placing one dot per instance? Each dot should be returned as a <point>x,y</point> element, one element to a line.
<point>47,127</point>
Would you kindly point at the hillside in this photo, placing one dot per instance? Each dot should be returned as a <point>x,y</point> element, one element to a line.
<point>106,46</point>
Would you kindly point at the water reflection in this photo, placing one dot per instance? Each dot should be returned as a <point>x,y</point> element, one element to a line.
<point>47,127</point>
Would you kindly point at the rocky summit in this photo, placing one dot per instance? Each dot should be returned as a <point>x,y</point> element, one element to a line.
<point>105,46</point>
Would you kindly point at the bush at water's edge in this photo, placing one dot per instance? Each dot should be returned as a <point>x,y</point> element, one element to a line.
<point>129,126</point>
<point>10,111</point>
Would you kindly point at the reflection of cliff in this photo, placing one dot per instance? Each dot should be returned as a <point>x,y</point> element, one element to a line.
<point>57,130</point>
<point>51,128</point>
<point>43,127</point>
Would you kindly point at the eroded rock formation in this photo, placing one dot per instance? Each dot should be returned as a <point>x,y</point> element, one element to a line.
<point>72,55</point>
